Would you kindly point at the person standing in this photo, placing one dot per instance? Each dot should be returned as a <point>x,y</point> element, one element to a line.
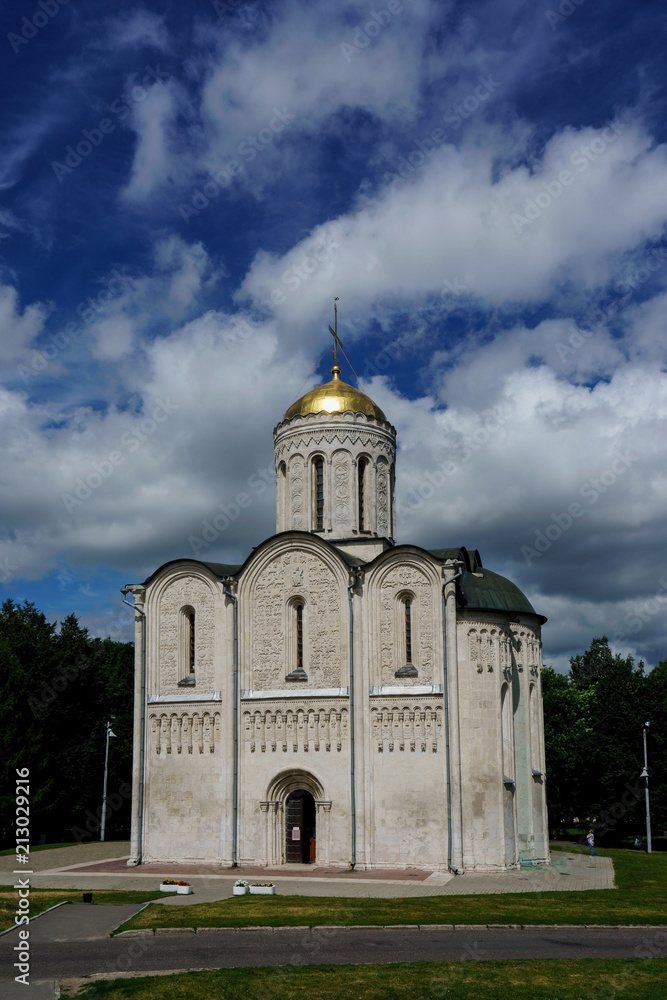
<point>590,839</point>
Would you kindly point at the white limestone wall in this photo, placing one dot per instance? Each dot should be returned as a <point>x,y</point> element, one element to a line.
<point>288,570</point>
<point>318,761</point>
<point>407,806</point>
<point>403,732</point>
<point>487,803</point>
<point>504,801</point>
<point>340,440</point>
<point>189,730</point>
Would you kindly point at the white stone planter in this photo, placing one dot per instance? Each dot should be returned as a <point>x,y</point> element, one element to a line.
<point>240,890</point>
<point>168,888</point>
<point>184,890</point>
<point>262,890</point>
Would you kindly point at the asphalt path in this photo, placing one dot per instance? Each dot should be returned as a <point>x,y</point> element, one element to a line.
<point>339,946</point>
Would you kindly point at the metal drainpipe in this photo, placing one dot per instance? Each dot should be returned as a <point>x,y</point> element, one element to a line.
<point>226,589</point>
<point>448,764</point>
<point>353,805</point>
<point>140,823</point>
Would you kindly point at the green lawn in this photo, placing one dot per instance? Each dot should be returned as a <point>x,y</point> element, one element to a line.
<point>42,899</point>
<point>38,847</point>
<point>641,898</point>
<point>620,979</point>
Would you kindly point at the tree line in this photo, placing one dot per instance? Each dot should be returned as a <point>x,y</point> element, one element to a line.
<point>593,722</point>
<point>58,688</point>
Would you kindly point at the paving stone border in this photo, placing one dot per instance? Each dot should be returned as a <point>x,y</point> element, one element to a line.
<point>150,931</point>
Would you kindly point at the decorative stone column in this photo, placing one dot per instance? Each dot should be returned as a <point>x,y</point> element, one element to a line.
<point>323,831</point>
<point>264,809</point>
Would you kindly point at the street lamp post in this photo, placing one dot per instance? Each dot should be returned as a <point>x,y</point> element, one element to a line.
<point>644,775</point>
<point>106,770</point>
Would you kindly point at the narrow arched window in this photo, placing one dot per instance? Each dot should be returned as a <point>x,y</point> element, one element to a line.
<point>408,630</point>
<point>191,641</point>
<point>362,468</point>
<point>405,638</point>
<point>299,636</point>
<point>506,735</point>
<point>535,749</point>
<point>319,492</point>
<point>295,643</point>
<point>187,647</point>
<point>392,494</point>
<point>281,498</point>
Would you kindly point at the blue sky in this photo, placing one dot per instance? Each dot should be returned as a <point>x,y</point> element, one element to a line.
<point>184,189</point>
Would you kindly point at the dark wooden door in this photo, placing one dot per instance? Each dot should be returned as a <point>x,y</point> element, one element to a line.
<point>294,824</point>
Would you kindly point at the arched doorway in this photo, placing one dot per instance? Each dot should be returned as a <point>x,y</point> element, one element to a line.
<point>308,809</point>
<point>300,831</point>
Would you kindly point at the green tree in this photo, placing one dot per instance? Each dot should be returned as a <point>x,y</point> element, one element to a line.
<point>57,690</point>
<point>568,740</point>
<point>655,711</point>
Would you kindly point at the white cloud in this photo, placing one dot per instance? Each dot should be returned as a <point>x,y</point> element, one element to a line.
<point>127,488</point>
<point>19,327</point>
<point>297,66</point>
<point>152,119</point>
<point>182,270</point>
<point>451,220</point>
<point>136,28</point>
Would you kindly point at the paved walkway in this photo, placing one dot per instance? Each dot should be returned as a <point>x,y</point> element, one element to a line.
<point>102,866</point>
<point>343,945</point>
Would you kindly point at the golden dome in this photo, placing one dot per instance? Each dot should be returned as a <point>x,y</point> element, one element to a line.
<point>334,397</point>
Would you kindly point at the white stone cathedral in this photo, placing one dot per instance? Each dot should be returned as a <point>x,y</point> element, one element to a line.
<point>338,698</point>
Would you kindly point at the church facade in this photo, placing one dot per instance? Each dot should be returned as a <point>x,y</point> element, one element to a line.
<point>338,699</point>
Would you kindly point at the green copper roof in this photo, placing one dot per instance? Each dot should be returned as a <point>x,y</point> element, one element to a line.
<point>493,593</point>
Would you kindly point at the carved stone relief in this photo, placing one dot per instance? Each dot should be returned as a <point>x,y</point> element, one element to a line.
<point>342,489</point>
<point>296,574</point>
<point>486,648</point>
<point>415,729</point>
<point>296,489</point>
<point>407,578</point>
<point>293,729</point>
<point>184,732</point>
<point>193,592</point>
<point>382,497</point>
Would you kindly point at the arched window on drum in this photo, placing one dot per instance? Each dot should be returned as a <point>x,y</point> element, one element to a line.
<point>318,494</point>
